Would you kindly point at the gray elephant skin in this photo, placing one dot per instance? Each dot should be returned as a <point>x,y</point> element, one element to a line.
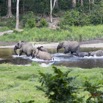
<point>82,54</point>
<point>69,46</point>
<point>96,53</point>
<point>42,48</point>
<point>41,54</point>
<point>24,47</point>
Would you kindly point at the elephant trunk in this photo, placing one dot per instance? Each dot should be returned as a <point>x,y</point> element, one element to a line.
<point>15,50</point>
<point>58,49</point>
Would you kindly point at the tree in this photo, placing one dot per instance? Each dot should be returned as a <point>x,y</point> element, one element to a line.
<point>81,2</point>
<point>9,12</point>
<point>73,3</point>
<point>52,5</point>
<point>17,15</point>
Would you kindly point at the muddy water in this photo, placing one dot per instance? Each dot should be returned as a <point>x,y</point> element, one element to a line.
<point>7,56</point>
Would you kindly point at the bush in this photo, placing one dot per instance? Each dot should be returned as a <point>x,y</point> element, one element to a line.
<point>43,23</point>
<point>30,23</point>
<point>9,22</point>
<point>75,18</point>
<point>28,17</point>
<point>58,86</point>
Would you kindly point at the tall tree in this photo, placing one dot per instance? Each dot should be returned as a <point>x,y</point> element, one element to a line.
<point>9,12</point>
<point>81,2</point>
<point>17,15</point>
<point>73,3</point>
<point>52,5</point>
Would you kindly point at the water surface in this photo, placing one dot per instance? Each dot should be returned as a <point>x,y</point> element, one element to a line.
<point>7,56</point>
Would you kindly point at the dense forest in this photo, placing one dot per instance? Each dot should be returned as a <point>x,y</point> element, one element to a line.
<point>72,19</point>
<point>75,12</point>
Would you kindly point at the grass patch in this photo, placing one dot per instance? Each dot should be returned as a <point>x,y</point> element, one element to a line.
<point>19,83</point>
<point>48,35</point>
<point>3,29</point>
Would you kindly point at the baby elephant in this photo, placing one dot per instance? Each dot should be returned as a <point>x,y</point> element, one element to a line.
<point>96,53</point>
<point>41,54</point>
<point>82,54</point>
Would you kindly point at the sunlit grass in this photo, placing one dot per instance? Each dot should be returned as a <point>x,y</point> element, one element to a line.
<point>47,35</point>
<point>19,83</point>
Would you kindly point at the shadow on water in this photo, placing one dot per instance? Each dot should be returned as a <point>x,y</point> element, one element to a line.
<point>7,56</point>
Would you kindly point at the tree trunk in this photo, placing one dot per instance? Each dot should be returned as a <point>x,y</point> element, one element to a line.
<point>23,6</point>
<point>93,2</point>
<point>17,15</point>
<point>51,9</point>
<point>81,2</point>
<point>89,5</point>
<point>9,12</point>
<point>56,5</point>
<point>73,3</point>
<point>52,5</point>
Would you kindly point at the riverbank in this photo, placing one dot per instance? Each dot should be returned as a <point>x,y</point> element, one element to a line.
<point>52,45</point>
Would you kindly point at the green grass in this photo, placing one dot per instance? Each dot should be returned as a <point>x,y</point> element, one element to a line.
<point>47,35</point>
<point>3,29</point>
<point>19,83</point>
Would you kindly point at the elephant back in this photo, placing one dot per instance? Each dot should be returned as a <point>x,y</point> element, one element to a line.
<point>71,45</point>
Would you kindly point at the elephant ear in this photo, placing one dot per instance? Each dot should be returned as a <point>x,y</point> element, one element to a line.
<point>20,43</point>
<point>61,44</point>
<point>40,48</point>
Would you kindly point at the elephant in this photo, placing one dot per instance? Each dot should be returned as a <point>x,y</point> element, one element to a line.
<point>82,54</point>
<point>96,53</point>
<point>41,48</point>
<point>41,54</point>
<point>24,47</point>
<point>69,46</point>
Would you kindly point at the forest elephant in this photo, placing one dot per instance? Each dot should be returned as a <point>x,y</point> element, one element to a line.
<point>41,54</point>
<point>41,48</point>
<point>96,53</point>
<point>82,54</point>
<point>24,47</point>
<point>69,46</point>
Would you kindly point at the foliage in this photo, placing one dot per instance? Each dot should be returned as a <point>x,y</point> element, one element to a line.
<point>28,19</point>
<point>30,23</point>
<point>95,94</point>
<point>96,15</point>
<point>10,22</point>
<point>57,86</point>
<point>76,18</point>
<point>43,23</point>
<point>3,29</point>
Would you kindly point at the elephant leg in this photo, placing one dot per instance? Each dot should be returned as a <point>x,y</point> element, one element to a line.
<point>20,52</point>
<point>66,50</point>
<point>28,55</point>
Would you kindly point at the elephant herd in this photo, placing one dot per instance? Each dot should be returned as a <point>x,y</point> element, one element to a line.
<point>28,49</point>
<point>40,52</point>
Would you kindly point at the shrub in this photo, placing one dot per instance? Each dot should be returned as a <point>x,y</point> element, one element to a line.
<point>26,17</point>
<point>75,18</point>
<point>30,23</point>
<point>9,22</point>
<point>57,86</point>
<point>43,23</point>
<point>95,94</point>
